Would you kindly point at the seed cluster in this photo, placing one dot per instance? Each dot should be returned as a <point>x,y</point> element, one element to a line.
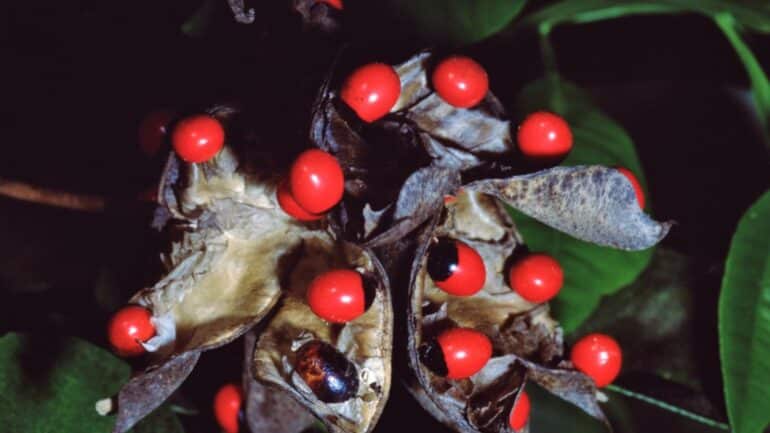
<point>315,183</point>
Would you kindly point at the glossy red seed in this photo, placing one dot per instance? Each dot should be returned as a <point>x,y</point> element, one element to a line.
<point>466,351</point>
<point>544,135</point>
<point>635,183</point>
<point>153,131</point>
<point>460,81</point>
<point>290,206</point>
<point>456,268</point>
<point>536,277</point>
<point>198,138</point>
<point>372,90</point>
<point>127,328</point>
<point>520,412</point>
<point>337,296</point>
<point>599,356</point>
<point>336,4</point>
<point>316,181</point>
<point>227,405</point>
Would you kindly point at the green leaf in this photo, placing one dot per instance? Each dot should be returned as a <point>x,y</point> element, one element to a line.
<point>753,14</point>
<point>460,21</point>
<point>51,385</point>
<point>660,303</point>
<point>590,271</point>
<point>760,85</point>
<point>744,321</point>
<point>552,414</point>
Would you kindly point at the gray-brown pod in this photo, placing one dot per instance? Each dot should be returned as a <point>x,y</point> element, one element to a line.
<point>469,154</point>
<point>235,256</point>
<point>341,371</point>
<point>523,335</point>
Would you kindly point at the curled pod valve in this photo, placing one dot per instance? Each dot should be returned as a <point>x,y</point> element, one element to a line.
<point>331,377</point>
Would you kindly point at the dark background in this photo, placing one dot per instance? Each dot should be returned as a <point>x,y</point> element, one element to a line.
<point>79,76</point>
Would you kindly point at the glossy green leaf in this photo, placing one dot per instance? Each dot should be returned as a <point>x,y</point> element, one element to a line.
<point>628,412</point>
<point>590,271</point>
<point>552,414</point>
<point>50,385</point>
<point>753,14</point>
<point>744,321</point>
<point>460,21</point>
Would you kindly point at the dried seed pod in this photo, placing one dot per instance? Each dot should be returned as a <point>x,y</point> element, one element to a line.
<point>523,335</point>
<point>232,247</point>
<point>341,372</point>
<point>593,203</point>
<point>267,409</point>
<point>406,163</point>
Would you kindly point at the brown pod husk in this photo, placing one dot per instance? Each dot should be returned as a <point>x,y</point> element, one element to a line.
<point>226,261</point>
<point>399,168</point>
<point>363,346</point>
<point>267,409</point>
<point>231,246</point>
<point>527,342</point>
<point>147,390</point>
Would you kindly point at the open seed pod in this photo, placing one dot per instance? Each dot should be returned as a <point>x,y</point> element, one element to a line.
<point>340,371</point>
<point>232,246</point>
<point>267,409</point>
<point>526,342</point>
<point>399,168</point>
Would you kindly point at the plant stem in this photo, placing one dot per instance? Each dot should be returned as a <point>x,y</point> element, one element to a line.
<point>669,407</point>
<point>34,194</point>
<point>546,49</point>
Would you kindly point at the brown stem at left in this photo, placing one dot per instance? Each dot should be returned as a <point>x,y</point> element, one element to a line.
<point>50,197</point>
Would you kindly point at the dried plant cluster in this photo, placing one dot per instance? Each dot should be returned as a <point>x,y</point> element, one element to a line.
<point>239,266</point>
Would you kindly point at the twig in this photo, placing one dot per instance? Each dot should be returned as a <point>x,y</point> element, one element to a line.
<point>35,194</point>
<point>670,407</point>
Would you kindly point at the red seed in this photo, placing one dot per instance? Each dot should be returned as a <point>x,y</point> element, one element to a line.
<point>129,327</point>
<point>635,183</point>
<point>198,138</point>
<point>371,91</point>
<point>227,405</point>
<point>466,351</point>
<point>337,296</point>
<point>520,412</point>
<point>460,81</point>
<point>536,277</point>
<point>544,135</point>
<point>290,206</point>
<point>599,356</point>
<point>316,181</point>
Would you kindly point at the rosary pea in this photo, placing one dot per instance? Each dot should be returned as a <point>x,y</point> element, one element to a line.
<point>331,377</point>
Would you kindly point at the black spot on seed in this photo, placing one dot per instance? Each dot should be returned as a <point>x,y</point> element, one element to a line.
<point>442,259</point>
<point>433,357</point>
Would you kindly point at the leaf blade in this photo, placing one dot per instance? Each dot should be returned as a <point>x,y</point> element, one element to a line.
<point>754,14</point>
<point>461,21</point>
<point>50,385</point>
<point>744,321</point>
